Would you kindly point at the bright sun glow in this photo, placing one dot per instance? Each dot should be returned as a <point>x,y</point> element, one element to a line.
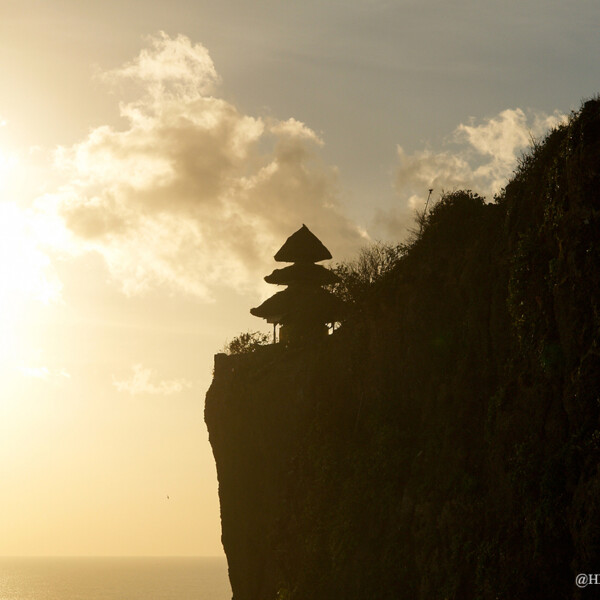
<point>25,269</point>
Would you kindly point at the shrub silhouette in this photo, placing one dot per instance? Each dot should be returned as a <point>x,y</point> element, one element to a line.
<point>246,342</point>
<point>358,275</point>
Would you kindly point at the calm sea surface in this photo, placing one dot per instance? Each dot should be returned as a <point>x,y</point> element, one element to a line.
<point>114,579</point>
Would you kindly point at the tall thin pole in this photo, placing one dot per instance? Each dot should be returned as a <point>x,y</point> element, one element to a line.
<point>425,211</point>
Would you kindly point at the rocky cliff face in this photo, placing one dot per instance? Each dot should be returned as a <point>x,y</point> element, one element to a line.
<point>445,443</point>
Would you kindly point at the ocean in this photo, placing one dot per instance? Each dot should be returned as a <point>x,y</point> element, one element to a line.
<point>114,579</point>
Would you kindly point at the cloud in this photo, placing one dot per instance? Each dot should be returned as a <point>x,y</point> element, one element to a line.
<point>481,157</point>
<point>192,193</point>
<point>175,67</point>
<point>140,383</point>
<point>501,140</point>
<point>41,372</point>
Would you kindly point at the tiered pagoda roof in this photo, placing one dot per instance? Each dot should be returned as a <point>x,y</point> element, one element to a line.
<point>303,246</point>
<point>304,304</point>
<point>302,273</point>
<point>293,304</point>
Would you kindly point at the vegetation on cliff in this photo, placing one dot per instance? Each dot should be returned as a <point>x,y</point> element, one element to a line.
<point>445,442</point>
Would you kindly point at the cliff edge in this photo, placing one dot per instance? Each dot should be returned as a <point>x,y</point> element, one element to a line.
<point>445,442</point>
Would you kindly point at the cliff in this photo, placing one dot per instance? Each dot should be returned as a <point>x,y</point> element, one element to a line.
<point>445,442</point>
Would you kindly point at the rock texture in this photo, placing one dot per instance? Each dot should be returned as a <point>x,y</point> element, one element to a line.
<point>445,442</point>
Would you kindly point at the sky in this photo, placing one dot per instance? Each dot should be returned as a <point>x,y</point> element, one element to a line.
<point>153,158</point>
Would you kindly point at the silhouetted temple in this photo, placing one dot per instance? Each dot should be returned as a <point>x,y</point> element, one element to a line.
<point>304,308</point>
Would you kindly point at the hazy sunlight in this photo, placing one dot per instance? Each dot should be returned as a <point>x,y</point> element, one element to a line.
<point>26,277</point>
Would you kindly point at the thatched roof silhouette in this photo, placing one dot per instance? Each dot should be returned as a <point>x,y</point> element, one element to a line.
<point>302,246</point>
<point>302,273</point>
<point>300,303</point>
